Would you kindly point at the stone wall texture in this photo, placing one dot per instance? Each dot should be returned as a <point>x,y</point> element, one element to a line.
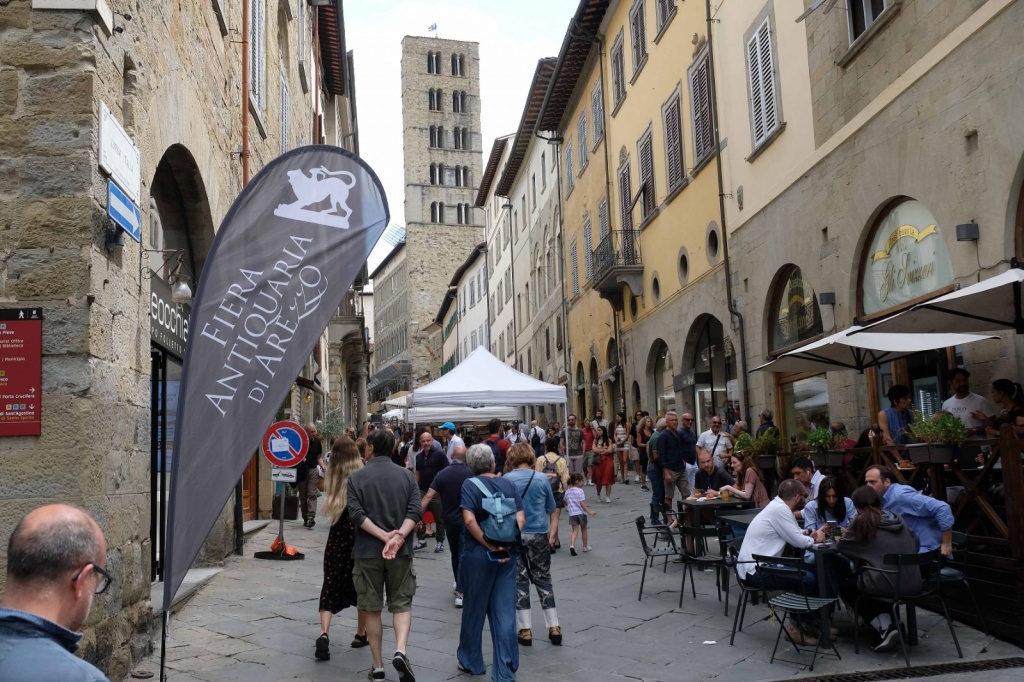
<point>173,80</point>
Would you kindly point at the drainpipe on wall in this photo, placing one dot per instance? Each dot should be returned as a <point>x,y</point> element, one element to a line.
<point>733,310</point>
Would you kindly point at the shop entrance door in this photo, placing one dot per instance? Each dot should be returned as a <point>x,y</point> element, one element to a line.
<point>165,381</point>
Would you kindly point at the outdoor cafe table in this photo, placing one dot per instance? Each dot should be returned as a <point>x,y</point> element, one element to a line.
<point>716,504</point>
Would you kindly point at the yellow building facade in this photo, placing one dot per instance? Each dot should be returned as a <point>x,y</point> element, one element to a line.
<point>653,313</point>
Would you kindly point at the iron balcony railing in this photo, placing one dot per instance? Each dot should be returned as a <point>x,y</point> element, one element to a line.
<point>618,248</point>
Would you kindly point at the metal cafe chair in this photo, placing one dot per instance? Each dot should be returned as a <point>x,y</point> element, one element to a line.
<point>795,603</point>
<point>928,563</point>
<point>748,594</point>
<point>652,552</point>
<point>951,574</point>
<point>699,535</point>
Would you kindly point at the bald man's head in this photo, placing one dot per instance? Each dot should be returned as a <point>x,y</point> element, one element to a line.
<point>459,453</point>
<point>51,541</point>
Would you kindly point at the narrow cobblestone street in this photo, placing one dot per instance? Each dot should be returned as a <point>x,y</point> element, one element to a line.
<point>256,622</point>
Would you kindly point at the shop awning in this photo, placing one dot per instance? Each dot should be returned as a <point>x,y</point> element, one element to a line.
<point>989,305</point>
<point>856,349</point>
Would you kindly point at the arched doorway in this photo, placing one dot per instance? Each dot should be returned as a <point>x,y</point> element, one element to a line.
<point>661,375</point>
<point>613,380</point>
<point>581,391</point>
<point>180,232</point>
<point>715,386</point>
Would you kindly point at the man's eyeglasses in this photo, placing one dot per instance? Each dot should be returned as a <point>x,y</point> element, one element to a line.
<point>716,423</point>
<point>104,581</point>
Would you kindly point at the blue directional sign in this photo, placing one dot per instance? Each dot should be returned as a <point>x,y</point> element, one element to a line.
<point>123,211</point>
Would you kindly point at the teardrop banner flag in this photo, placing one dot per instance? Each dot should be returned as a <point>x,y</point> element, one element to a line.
<point>288,250</point>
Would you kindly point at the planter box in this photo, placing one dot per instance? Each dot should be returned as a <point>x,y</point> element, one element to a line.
<point>931,453</point>
<point>834,458</point>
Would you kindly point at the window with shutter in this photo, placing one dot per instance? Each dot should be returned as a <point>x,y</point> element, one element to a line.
<point>568,168</point>
<point>597,104</point>
<point>645,164</point>
<point>581,136</point>
<point>588,249</point>
<point>760,70</point>
<point>673,142</point>
<point>638,32</point>
<point>602,212</point>
<point>558,332</point>
<point>575,268</point>
<point>618,71</point>
<point>700,97</point>
<point>665,8</point>
<point>257,55</point>
<point>625,198</point>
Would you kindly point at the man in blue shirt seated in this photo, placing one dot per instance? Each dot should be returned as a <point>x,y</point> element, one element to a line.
<point>930,519</point>
<point>55,560</point>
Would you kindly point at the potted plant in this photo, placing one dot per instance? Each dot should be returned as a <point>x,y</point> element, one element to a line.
<point>943,433</point>
<point>743,442</point>
<point>827,445</point>
<point>765,449</point>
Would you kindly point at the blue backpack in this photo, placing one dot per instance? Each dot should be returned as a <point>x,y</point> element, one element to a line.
<point>500,526</point>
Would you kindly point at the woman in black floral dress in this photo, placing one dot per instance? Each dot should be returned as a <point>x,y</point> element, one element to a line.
<point>338,591</point>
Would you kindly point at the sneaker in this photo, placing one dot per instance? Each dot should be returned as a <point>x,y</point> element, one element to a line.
<point>798,637</point>
<point>376,674</point>
<point>458,601</point>
<point>587,548</point>
<point>645,488</point>
<point>888,640</point>
<point>590,483</point>
<point>404,668</point>
<point>607,499</point>
<point>572,550</point>
<point>420,544</point>
<point>636,479</point>
<point>438,548</point>
<point>323,651</point>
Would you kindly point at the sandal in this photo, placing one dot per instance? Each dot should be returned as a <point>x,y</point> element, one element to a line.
<point>555,635</point>
<point>323,651</point>
<point>359,641</point>
<point>525,637</point>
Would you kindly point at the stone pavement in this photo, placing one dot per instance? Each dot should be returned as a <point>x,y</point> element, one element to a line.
<point>257,620</point>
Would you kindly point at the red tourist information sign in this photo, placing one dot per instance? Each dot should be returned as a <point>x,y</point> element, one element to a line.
<point>21,371</point>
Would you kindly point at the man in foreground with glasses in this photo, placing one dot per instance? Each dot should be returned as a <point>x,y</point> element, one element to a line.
<point>55,559</point>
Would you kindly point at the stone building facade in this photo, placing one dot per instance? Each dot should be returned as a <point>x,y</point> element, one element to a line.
<point>113,339</point>
<point>443,165</point>
<point>390,326</point>
<point>498,230</point>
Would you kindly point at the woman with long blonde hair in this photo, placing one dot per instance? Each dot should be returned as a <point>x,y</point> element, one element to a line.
<point>338,591</point>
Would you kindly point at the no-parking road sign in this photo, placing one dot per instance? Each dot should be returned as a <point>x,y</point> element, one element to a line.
<point>285,444</point>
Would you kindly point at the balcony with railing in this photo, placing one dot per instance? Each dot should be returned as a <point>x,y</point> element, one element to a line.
<point>351,308</point>
<point>617,261</point>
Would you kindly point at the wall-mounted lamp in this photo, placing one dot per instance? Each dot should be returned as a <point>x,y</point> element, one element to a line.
<point>967,232</point>
<point>827,298</point>
<point>180,290</point>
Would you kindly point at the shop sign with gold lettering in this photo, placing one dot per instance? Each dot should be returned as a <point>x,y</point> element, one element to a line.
<point>907,259</point>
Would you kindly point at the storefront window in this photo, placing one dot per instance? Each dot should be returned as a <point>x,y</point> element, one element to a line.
<point>663,389</point>
<point>795,310</point>
<point>906,259</point>
<point>805,406</point>
<point>715,390</point>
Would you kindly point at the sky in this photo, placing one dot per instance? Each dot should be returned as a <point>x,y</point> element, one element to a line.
<point>513,35</point>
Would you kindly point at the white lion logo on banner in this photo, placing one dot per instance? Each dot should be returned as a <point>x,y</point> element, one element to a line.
<point>319,186</point>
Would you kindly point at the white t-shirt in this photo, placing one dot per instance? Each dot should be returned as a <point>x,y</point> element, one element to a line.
<point>455,442</point>
<point>812,490</point>
<point>707,442</point>
<point>963,408</point>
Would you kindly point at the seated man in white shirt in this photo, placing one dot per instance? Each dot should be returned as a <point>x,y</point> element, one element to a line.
<point>975,411</point>
<point>769,533</point>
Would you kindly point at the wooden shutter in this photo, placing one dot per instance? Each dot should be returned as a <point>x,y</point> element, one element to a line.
<point>568,168</point>
<point>760,70</point>
<point>646,165</point>
<point>285,111</point>
<point>602,211</point>
<point>257,68</point>
<point>673,144</point>
<point>575,269</point>
<point>581,134</point>
<point>588,250</point>
<point>625,197</point>
<point>639,31</point>
<point>597,103</point>
<point>700,87</point>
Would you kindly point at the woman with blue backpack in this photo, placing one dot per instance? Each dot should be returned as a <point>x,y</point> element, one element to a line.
<point>493,513</point>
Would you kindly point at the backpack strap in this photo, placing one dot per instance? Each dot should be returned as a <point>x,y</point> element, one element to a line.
<point>483,488</point>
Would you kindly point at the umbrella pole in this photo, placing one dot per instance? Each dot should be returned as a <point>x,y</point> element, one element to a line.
<point>1018,315</point>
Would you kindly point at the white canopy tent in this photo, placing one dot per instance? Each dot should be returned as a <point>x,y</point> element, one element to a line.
<point>422,415</point>
<point>482,380</point>
<point>989,305</point>
<point>855,349</point>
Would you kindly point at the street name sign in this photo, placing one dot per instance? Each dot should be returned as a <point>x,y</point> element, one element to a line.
<point>118,154</point>
<point>123,211</point>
